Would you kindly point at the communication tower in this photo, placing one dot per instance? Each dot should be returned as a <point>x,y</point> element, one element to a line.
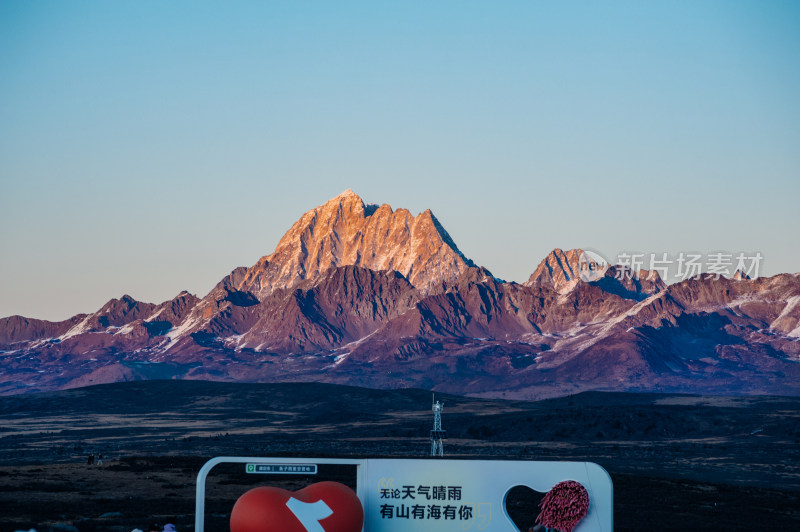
<point>437,434</point>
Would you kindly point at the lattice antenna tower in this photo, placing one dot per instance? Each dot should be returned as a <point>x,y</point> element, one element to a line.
<point>437,434</point>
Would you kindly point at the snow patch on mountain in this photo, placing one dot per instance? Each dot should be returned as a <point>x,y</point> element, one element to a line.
<point>154,315</point>
<point>186,327</point>
<point>78,328</point>
<point>127,329</point>
<point>791,304</point>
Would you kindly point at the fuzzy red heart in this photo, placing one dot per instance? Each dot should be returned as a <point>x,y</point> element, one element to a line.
<point>320,507</point>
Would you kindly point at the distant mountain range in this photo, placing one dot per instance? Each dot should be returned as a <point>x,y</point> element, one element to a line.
<point>360,294</point>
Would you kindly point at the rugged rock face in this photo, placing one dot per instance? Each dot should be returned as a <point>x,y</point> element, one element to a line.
<point>364,295</point>
<point>345,305</point>
<point>344,231</point>
<point>559,271</point>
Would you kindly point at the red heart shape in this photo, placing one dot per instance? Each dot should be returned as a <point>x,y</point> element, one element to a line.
<point>324,506</point>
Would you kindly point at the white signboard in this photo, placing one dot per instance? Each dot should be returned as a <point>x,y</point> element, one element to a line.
<point>458,495</point>
<point>438,495</point>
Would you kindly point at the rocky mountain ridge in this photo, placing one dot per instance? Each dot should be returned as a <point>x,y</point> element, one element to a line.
<point>346,231</point>
<point>366,295</point>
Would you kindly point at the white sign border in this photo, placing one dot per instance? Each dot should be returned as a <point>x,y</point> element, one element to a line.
<point>601,505</point>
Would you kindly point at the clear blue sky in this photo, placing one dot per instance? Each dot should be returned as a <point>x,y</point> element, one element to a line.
<point>148,147</point>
